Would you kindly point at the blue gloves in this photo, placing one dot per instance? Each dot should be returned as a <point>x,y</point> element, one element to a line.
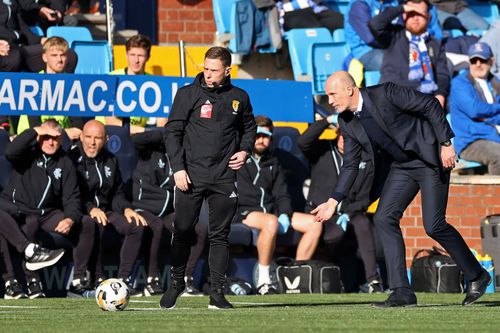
<point>283,224</point>
<point>342,221</point>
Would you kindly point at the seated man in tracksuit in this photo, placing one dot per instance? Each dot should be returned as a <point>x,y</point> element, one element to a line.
<point>153,199</point>
<point>43,194</point>
<point>325,157</point>
<point>264,204</point>
<point>104,201</point>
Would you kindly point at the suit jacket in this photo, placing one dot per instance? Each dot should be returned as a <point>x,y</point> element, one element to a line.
<point>415,122</point>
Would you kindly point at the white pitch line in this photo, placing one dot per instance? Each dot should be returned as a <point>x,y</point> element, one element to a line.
<point>18,307</point>
<point>137,301</point>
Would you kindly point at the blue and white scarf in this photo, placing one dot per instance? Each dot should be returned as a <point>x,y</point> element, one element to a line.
<point>420,63</point>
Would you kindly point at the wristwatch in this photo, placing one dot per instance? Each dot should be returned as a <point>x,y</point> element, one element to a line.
<point>447,143</point>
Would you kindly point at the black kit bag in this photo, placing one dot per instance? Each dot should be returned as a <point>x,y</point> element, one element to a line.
<point>435,272</point>
<point>307,277</point>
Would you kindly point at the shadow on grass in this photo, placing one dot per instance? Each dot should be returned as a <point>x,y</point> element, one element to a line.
<point>280,305</point>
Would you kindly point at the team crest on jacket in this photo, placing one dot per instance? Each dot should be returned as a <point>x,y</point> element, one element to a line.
<point>107,171</point>
<point>236,105</point>
<point>161,164</point>
<point>57,173</point>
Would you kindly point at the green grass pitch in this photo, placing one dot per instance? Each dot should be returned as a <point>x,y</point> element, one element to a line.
<point>277,313</point>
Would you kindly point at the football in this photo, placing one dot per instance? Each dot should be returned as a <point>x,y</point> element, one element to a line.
<point>112,295</point>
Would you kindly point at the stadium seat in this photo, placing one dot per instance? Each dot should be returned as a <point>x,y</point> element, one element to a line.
<point>121,145</point>
<point>71,34</point>
<point>338,5</point>
<point>453,33</point>
<point>299,43</point>
<point>37,30</point>
<point>372,78</point>
<point>488,11</point>
<point>476,32</point>
<point>462,164</point>
<point>93,57</point>
<point>295,165</point>
<point>326,58</point>
<point>338,35</point>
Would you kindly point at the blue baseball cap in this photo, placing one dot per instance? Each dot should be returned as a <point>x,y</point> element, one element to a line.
<point>480,50</point>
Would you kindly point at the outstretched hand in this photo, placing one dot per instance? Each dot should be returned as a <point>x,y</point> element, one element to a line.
<point>325,211</point>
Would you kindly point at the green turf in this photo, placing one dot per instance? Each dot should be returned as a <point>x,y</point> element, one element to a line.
<point>280,313</point>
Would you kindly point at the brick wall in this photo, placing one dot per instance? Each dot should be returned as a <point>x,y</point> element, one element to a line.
<point>468,203</point>
<point>189,20</point>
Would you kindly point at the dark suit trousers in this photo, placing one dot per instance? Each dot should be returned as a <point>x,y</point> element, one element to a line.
<point>402,185</point>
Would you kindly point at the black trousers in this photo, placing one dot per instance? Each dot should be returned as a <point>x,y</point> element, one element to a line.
<point>130,248</point>
<point>306,18</point>
<point>402,185</point>
<point>364,235</point>
<point>222,202</point>
<point>29,58</point>
<point>81,235</point>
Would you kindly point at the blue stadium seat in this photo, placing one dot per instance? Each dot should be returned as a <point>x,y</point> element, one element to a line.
<point>299,43</point>
<point>338,35</point>
<point>295,165</point>
<point>476,32</point>
<point>488,11</point>
<point>37,30</point>
<point>453,33</point>
<point>71,34</point>
<point>372,78</point>
<point>121,145</point>
<point>326,58</point>
<point>93,57</point>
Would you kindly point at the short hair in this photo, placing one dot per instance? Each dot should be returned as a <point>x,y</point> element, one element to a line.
<point>139,41</point>
<point>53,123</point>
<point>427,2</point>
<point>221,53</point>
<point>264,121</point>
<point>56,42</point>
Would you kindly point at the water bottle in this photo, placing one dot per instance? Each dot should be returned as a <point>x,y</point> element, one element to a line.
<point>89,293</point>
<point>237,290</point>
<point>487,263</point>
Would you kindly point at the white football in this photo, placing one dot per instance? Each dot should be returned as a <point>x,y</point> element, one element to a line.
<point>112,295</point>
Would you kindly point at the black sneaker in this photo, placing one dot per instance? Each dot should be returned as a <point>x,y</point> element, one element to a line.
<point>35,289</point>
<point>14,290</point>
<point>267,289</point>
<point>169,298</point>
<point>153,287</point>
<point>43,257</point>
<point>191,289</point>
<point>218,301</point>
<point>133,292</point>
<point>375,287</point>
<point>80,288</point>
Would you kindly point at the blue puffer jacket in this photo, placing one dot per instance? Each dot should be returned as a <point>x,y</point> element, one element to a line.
<point>357,33</point>
<point>472,118</point>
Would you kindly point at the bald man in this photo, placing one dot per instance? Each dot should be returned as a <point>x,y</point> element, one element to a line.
<point>404,133</point>
<point>104,203</point>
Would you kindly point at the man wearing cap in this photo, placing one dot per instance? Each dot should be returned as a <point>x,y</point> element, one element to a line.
<point>264,204</point>
<point>475,110</point>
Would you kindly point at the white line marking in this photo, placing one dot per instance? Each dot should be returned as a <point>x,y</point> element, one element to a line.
<point>19,307</point>
<point>137,301</point>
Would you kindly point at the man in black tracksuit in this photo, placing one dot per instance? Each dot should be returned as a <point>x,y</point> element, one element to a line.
<point>153,198</point>
<point>210,133</point>
<point>43,194</point>
<point>325,156</point>
<point>104,202</point>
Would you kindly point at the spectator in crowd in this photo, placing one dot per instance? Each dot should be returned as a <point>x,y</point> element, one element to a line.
<point>24,50</point>
<point>138,51</point>
<point>325,156</point>
<point>209,135</point>
<point>54,56</point>
<point>362,43</point>
<point>42,193</point>
<point>412,58</point>
<point>405,134</point>
<point>294,14</point>
<point>492,38</point>
<point>475,110</point>
<point>58,15</point>
<point>264,204</point>
<point>104,203</point>
<point>153,199</point>
<point>453,14</point>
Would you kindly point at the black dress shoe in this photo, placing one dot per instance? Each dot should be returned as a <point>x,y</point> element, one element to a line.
<point>398,299</point>
<point>476,288</point>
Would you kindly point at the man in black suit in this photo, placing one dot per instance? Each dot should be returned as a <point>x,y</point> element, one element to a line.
<point>405,134</point>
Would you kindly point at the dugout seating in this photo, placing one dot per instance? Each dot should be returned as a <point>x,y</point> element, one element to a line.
<point>5,165</point>
<point>71,34</point>
<point>325,59</point>
<point>94,57</point>
<point>121,145</point>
